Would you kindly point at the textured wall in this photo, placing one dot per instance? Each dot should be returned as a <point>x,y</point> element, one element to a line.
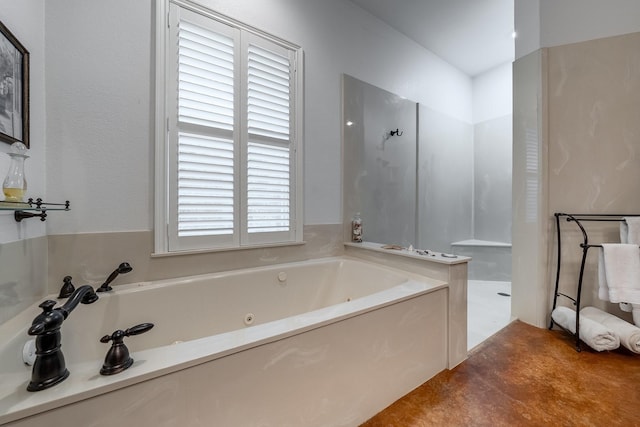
<point>576,145</point>
<point>594,143</point>
<point>25,20</point>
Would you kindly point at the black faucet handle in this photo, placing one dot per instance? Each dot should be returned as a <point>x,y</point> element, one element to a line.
<point>118,336</point>
<point>47,320</point>
<point>47,305</point>
<point>67,288</point>
<point>138,329</point>
<point>117,358</point>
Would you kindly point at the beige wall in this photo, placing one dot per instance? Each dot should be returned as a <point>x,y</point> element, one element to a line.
<point>91,257</point>
<point>594,143</point>
<point>32,268</point>
<point>590,114</point>
<point>23,266</point>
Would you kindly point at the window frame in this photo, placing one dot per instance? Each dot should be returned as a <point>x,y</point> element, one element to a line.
<point>166,128</point>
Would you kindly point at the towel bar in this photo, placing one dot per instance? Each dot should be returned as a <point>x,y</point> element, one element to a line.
<point>578,219</point>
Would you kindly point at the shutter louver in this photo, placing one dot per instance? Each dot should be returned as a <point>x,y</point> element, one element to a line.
<point>268,94</point>
<point>268,161</point>
<point>268,188</point>
<point>205,77</point>
<point>205,186</point>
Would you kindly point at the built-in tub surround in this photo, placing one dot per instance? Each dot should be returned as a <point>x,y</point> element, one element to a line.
<point>453,271</point>
<point>34,267</point>
<point>90,257</point>
<point>300,344</point>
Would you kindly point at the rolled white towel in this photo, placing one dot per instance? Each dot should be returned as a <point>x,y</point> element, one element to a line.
<point>634,309</point>
<point>629,334</point>
<point>594,334</point>
<point>625,306</point>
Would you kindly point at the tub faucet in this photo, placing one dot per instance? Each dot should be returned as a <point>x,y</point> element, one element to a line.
<point>49,368</point>
<point>122,269</point>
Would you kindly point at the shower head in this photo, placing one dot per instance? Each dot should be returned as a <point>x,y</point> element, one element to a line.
<point>122,269</point>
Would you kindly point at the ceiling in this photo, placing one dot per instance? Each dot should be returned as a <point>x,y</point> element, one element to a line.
<point>472,35</point>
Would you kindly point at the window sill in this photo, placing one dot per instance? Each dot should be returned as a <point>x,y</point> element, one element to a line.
<point>214,250</point>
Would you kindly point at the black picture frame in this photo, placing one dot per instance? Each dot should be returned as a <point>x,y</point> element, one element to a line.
<point>14,89</point>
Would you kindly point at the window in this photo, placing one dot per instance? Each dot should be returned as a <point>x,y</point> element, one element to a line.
<point>230,158</point>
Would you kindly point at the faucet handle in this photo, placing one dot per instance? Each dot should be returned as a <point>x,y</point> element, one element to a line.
<point>138,329</point>
<point>48,320</point>
<point>120,334</point>
<point>47,305</point>
<point>67,288</point>
<point>117,358</point>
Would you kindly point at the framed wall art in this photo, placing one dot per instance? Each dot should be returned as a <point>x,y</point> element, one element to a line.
<point>14,89</point>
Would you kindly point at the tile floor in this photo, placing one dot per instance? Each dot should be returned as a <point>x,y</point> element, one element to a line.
<point>488,312</point>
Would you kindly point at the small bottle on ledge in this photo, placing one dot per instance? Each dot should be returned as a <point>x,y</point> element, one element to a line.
<point>356,228</point>
<point>15,184</point>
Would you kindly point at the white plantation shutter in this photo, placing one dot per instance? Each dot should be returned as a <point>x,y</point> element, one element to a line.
<point>205,163</point>
<point>231,149</point>
<point>268,151</point>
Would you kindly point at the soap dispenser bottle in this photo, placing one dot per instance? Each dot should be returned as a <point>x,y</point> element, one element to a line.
<point>15,184</point>
<point>356,228</point>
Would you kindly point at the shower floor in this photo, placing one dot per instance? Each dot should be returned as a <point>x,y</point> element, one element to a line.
<point>487,310</point>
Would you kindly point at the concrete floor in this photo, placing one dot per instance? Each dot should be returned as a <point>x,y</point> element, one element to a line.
<point>526,376</point>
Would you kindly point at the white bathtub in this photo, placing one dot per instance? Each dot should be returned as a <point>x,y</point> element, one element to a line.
<point>331,342</point>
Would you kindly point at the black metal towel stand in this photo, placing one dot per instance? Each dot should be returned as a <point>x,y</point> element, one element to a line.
<point>579,219</point>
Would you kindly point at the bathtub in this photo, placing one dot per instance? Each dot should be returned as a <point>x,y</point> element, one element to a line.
<point>322,342</point>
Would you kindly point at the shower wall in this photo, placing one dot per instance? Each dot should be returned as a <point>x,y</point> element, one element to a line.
<point>379,168</point>
<point>445,180</point>
<point>492,179</point>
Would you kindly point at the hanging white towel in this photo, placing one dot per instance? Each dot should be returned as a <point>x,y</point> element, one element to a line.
<point>629,334</point>
<point>630,230</point>
<point>594,334</point>
<point>630,233</point>
<point>620,264</point>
